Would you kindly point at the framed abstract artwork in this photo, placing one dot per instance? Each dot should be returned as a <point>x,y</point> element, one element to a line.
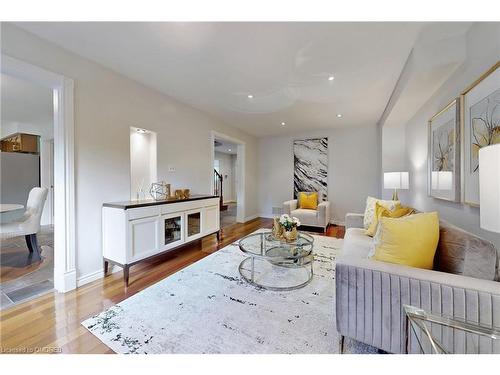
<point>310,162</point>
<point>444,153</point>
<point>481,127</point>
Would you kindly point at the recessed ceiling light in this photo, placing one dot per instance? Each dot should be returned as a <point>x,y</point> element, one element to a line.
<point>229,149</point>
<point>339,115</point>
<point>250,96</point>
<point>283,123</point>
<point>331,78</point>
<point>142,131</point>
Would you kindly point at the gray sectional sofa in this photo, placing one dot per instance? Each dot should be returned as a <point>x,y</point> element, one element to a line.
<point>370,294</point>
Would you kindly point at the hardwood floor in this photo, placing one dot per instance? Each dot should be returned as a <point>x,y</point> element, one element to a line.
<point>51,323</point>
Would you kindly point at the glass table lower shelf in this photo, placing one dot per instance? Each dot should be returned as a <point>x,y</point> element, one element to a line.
<point>277,265</point>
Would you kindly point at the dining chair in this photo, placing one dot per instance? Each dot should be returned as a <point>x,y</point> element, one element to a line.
<point>29,224</point>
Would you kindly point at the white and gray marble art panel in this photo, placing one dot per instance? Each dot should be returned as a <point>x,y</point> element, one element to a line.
<point>310,159</point>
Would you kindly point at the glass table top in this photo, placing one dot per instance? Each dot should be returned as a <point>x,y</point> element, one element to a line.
<point>264,245</point>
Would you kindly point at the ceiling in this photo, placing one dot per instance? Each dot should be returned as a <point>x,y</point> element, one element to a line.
<point>25,106</point>
<point>285,66</point>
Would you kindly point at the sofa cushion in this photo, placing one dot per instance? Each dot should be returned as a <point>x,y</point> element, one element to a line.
<point>356,243</point>
<point>306,217</point>
<point>308,201</point>
<point>463,253</point>
<point>410,240</point>
<point>370,209</point>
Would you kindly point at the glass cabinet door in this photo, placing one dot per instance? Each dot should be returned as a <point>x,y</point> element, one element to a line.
<point>173,229</point>
<point>193,223</point>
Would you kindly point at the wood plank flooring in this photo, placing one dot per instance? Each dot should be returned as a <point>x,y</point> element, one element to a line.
<point>51,323</point>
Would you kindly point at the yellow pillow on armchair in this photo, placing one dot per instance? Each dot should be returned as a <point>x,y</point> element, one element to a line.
<point>382,211</point>
<point>308,201</point>
<point>410,240</point>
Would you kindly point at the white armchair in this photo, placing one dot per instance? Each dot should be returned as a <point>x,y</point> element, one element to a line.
<point>29,224</point>
<point>314,218</point>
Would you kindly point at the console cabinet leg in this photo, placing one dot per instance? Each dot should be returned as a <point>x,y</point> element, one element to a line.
<point>106,265</point>
<point>126,274</point>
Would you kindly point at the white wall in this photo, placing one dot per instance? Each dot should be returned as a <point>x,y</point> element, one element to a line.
<point>106,106</point>
<point>226,168</point>
<point>353,169</point>
<point>483,50</point>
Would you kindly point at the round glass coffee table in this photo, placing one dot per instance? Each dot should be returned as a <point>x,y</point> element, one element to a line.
<point>277,265</point>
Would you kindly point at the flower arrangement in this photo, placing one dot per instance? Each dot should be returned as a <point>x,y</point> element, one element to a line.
<point>289,222</point>
<point>285,228</point>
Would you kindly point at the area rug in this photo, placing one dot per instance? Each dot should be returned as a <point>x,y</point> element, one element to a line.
<point>208,308</point>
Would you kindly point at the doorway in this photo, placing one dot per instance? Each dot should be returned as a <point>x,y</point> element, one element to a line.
<point>227,167</point>
<point>54,154</point>
<point>26,144</point>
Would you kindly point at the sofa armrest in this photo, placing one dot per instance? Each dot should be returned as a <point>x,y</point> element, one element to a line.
<point>370,296</point>
<point>354,220</point>
<point>289,206</point>
<point>323,212</point>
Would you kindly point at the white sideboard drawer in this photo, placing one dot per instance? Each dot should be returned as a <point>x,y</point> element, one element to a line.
<point>142,212</point>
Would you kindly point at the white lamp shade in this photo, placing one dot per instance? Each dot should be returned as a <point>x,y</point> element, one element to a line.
<point>442,180</point>
<point>489,187</point>
<point>397,180</point>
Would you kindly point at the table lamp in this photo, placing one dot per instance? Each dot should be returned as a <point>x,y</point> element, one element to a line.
<point>489,187</point>
<point>396,180</point>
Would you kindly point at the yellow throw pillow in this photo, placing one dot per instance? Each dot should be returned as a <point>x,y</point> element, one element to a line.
<point>410,240</point>
<point>308,201</point>
<point>381,211</point>
<point>370,209</point>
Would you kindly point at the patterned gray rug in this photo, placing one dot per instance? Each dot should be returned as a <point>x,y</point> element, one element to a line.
<point>207,308</point>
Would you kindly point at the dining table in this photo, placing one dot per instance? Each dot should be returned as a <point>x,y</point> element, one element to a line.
<point>7,207</point>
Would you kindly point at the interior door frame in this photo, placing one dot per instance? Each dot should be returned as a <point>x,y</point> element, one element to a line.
<point>64,165</point>
<point>240,172</point>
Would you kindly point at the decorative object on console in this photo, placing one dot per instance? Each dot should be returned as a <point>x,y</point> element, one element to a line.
<point>182,193</point>
<point>159,190</point>
<point>489,183</point>
<point>444,160</point>
<point>396,180</point>
<point>481,114</point>
<point>310,159</point>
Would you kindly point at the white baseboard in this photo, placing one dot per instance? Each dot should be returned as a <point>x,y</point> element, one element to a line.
<point>267,216</point>
<point>88,278</point>
<point>338,222</point>
<point>93,276</point>
<point>251,217</point>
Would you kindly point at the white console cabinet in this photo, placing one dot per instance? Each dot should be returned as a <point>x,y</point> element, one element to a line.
<point>134,231</point>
